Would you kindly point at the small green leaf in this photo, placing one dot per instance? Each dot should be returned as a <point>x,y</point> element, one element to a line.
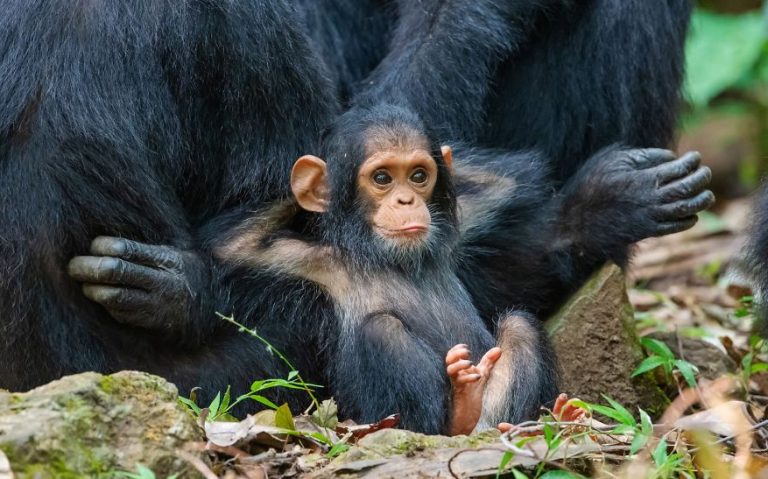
<point>517,474</point>
<point>284,418</point>
<point>261,399</point>
<point>688,371</point>
<point>337,449</point>
<point>660,453</point>
<point>561,475</point>
<point>508,455</point>
<point>638,442</point>
<point>190,404</point>
<point>621,415</point>
<point>657,347</point>
<point>225,400</point>
<point>213,409</point>
<point>758,368</point>
<point>609,412</point>
<point>292,375</point>
<point>648,364</point>
<point>549,434</point>
<point>646,426</point>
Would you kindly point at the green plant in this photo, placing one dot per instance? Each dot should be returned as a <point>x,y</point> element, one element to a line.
<point>221,405</point>
<point>724,52</point>
<point>659,355</point>
<point>142,472</point>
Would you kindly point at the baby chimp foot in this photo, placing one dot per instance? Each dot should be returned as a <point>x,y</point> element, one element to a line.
<point>467,386</point>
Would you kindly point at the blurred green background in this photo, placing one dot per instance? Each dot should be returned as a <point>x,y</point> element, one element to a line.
<point>726,91</point>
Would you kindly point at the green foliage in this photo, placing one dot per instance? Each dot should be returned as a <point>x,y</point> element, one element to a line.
<point>142,472</point>
<point>659,355</point>
<point>724,52</point>
<point>221,406</point>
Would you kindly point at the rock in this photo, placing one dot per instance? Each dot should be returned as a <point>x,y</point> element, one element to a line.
<point>597,346</point>
<point>395,453</point>
<point>90,425</point>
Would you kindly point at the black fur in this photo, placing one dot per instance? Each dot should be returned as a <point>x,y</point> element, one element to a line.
<point>147,121</point>
<point>757,260</point>
<point>395,312</point>
<point>566,80</point>
<point>170,122</point>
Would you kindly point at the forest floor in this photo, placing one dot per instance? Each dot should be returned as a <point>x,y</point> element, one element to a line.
<point>690,286</point>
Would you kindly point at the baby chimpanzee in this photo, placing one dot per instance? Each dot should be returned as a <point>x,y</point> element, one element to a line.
<point>378,228</point>
<point>382,243</point>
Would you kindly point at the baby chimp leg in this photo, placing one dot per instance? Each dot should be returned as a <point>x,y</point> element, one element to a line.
<point>467,387</point>
<point>525,376</point>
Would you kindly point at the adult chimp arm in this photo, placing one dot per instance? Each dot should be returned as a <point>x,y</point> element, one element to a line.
<point>251,97</point>
<point>443,55</point>
<point>526,247</point>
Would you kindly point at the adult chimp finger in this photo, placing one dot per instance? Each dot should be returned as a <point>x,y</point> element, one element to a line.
<point>687,186</point>
<point>123,299</point>
<point>115,271</point>
<point>650,157</point>
<point>678,168</point>
<point>150,255</point>
<point>685,208</point>
<point>671,227</point>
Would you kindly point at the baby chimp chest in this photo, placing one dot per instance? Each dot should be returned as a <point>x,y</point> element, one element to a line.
<point>438,312</point>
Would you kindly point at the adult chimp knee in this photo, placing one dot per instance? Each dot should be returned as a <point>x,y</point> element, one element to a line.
<point>159,122</point>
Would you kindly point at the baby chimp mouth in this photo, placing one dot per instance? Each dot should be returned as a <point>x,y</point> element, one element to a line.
<point>407,230</point>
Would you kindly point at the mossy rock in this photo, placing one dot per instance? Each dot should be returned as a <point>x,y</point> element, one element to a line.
<point>90,425</point>
<point>598,348</point>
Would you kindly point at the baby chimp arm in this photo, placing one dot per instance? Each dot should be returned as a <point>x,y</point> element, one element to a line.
<point>526,247</point>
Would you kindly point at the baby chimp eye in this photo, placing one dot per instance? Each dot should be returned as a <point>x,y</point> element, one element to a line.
<point>419,176</point>
<point>382,178</point>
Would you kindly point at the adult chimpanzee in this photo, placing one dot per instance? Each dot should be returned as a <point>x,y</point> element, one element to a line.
<point>378,233</point>
<point>142,120</point>
<point>757,259</point>
<point>564,78</point>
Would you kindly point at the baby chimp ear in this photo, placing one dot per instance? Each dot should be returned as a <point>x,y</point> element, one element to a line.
<point>447,155</point>
<point>309,183</point>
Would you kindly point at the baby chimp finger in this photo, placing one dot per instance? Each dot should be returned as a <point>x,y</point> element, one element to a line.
<point>685,208</point>
<point>116,298</point>
<point>150,255</point>
<point>687,186</point>
<point>679,168</point>
<point>108,270</point>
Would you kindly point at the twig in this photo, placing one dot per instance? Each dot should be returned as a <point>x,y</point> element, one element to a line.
<point>198,464</point>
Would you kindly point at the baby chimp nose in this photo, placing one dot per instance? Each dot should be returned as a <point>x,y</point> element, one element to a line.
<point>405,199</point>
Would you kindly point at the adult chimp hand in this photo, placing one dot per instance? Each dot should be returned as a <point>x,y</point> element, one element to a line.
<point>149,286</point>
<point>635,194</point>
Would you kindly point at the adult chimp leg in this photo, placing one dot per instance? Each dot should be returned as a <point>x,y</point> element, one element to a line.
<point>608,72</point>
<point>440,55</point>
<point>149,122</point>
